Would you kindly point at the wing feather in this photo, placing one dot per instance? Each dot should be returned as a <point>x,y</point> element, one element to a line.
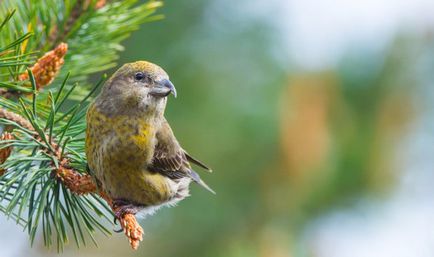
<point>171,160</point>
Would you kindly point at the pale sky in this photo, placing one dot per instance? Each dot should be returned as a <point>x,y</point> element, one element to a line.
<point>318,32</point>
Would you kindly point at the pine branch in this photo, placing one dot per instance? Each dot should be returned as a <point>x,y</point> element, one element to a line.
<point>43,163</point>
<point>73,180</point>
<point>44,184</point>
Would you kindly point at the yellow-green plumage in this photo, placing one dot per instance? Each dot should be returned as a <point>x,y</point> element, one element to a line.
<point>130,148</point>
<point>118,153</point>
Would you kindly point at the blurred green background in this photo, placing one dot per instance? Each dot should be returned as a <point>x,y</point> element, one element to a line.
<point>316,117</point>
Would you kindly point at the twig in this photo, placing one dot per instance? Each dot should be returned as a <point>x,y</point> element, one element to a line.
<point>6,151</point>
<point>8,93</point>
<point>5,114</point>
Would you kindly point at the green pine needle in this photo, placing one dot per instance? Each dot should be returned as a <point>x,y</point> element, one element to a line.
<point>29,194</point>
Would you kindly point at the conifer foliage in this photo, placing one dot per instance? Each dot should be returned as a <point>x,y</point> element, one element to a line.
<point>48,48</point>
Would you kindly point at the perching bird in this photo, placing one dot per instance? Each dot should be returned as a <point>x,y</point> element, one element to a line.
<point>131,150</point>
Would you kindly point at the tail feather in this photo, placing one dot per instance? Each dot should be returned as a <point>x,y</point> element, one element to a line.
<point>197,162</point>
<point>196,178</point>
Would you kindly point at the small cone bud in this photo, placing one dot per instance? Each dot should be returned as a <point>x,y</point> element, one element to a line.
<point>47,67</point>
<point>100,4</point>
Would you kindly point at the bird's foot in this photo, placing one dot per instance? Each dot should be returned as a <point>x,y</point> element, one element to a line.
<point>125,214</point>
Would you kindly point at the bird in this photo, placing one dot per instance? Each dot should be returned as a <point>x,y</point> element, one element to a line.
<point>132,153</point>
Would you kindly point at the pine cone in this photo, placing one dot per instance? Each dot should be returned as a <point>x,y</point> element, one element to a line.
<point>47,67</point>
<point>5,152</point>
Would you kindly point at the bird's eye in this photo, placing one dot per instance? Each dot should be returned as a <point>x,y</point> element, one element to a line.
<point>139,76</point>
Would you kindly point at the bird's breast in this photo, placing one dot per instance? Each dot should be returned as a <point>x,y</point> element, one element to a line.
<point>123,139</point>
<point>118,149</point>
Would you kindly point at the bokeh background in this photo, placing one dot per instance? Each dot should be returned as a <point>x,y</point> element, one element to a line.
<point>317,118</point>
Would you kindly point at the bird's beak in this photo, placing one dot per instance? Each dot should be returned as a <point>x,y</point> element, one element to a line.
<point>163,89</point>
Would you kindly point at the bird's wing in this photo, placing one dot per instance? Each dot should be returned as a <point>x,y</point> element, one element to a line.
<point>171,160</point>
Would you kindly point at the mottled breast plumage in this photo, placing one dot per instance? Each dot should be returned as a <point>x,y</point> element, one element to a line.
<point>119,148</point>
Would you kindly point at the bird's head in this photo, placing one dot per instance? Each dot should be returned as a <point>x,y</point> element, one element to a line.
<point>141,86</point>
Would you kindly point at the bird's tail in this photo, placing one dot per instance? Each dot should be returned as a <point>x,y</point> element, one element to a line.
<point>197,162</point>
<point>196,178</point>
